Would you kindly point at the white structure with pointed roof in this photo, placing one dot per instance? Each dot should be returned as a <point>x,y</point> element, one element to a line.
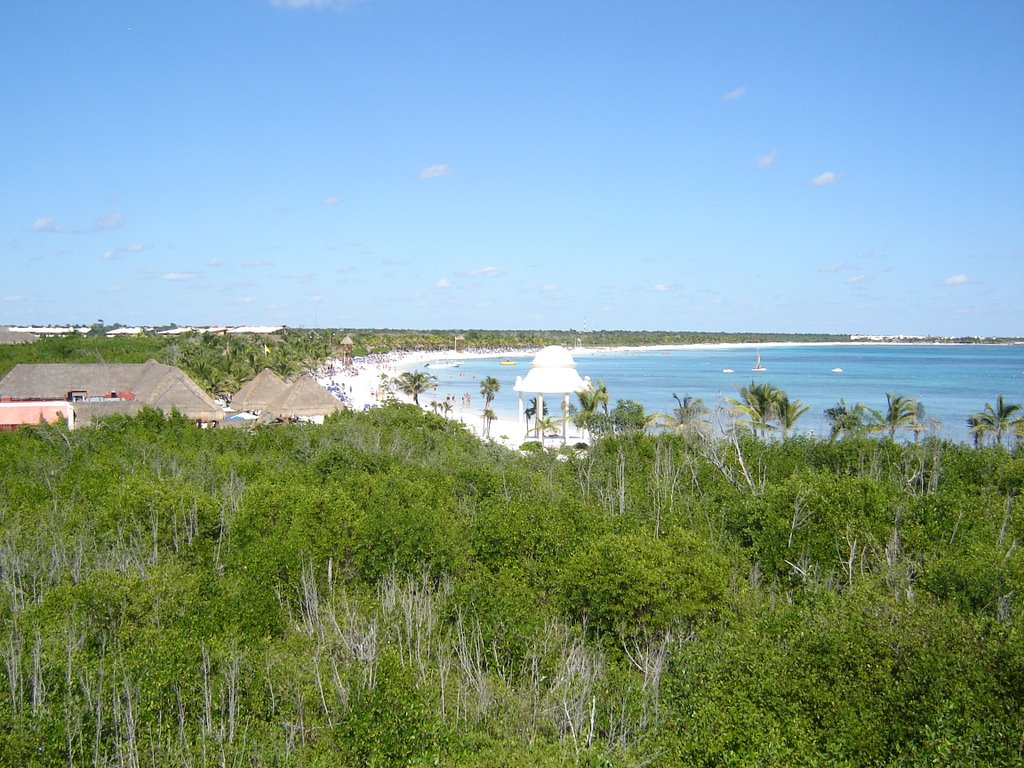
<point>552,372</point>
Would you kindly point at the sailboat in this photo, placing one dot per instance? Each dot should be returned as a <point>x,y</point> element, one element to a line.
<point>758,368</point>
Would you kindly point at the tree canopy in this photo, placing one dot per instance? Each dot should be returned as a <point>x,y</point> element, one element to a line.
<point>387,589</point>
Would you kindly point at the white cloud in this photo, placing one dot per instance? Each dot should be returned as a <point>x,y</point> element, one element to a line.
<point>434,171</point>
<point>767,161</point>
<point>735,93</point>
<point>856,279</point>
<point>215,263</point>
<point>444,282</point>
<point>133,248</point>
<point>956,280</point>
<point>662,287</point>
<point>13,297</point>
<point>110,221</point>
<point>823,179</point>
<point>486,272</point>
<point>102,224</point>
<point>332,201</point>
<point>831,268</point>
<point>549,288</point>
<point>178,276</point>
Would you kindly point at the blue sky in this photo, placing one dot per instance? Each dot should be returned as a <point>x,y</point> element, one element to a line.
<point>793,166</point>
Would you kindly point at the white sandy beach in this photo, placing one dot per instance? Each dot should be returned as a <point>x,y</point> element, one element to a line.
<point>362,386</point>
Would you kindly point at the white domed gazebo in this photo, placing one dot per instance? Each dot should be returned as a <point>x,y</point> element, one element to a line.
<point>552,372</point>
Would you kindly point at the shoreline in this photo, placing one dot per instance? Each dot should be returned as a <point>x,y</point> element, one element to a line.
<point>361,383</point>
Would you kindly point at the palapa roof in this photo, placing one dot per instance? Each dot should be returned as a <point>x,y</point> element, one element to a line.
<point>258,392</point>
<point>152,383</point>
<point>7,336</point>
<point>302,398</point>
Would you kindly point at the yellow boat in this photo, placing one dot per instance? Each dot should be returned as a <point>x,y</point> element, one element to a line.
<point>508,362</point>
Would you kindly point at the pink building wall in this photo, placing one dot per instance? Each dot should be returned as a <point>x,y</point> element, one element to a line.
<point>19,413</point>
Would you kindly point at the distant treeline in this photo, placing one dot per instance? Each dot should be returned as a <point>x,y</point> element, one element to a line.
<point>525,339</point>
<point>384,339</point>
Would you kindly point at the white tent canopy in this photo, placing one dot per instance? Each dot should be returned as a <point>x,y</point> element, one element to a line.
<point>552,372</point>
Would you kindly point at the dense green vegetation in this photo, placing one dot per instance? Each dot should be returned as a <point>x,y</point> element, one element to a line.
<point>387,590</point>
<point>217,363</point>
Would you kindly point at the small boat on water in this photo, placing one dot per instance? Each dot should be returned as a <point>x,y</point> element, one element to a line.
<point>508,362</point>
<point>837,370</point>
<point>728,370</point>
<point>443,364</point>
<point>758,368</point>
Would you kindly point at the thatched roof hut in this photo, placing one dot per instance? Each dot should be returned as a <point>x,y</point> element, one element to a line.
<point>99,390</point>
<point>346,350</point>
<point>7,336</point>
<point>304,398</point>
<point>258,392</point>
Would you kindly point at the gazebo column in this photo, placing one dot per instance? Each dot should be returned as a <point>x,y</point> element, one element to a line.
<point>522,411</point>
<point>539,415</point>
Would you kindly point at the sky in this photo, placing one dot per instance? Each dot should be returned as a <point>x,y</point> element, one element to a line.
<point>675,165</point>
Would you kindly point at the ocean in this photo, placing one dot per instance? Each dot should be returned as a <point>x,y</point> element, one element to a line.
<point>953,381</point>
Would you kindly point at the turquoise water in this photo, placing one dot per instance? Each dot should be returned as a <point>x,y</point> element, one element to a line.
<point>952,381</point>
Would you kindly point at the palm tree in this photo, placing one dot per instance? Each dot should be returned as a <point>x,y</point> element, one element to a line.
<point>999,418</point>
<point>690,416</point>
<point>252,357</point>
<point>759,404</point>
<point>851,421</point>
<point>414,383</point>
<point>544,425</point>
<point>489,417</point>
<point>489,388</point>
<point>587,411</point>
<point>204,372</point>
<point>601,392</point>
<point>922,422</point>
<point>900,411</point>
<point>531,413</point>
<point>284,362</point>
<point>788,412</point>
<point>977,426</point>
